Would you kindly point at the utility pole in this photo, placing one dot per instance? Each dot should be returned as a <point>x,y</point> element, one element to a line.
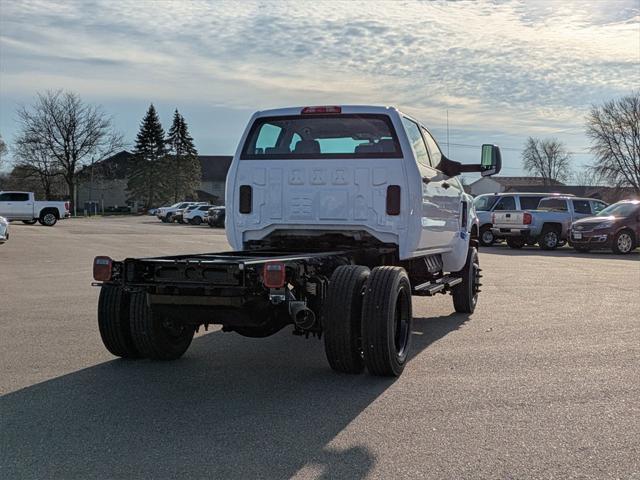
<point>448,133</point>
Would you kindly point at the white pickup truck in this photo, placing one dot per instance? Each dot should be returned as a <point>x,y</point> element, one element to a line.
<point>338,215</point>
<point>548,224</point>
<point>23,206</point>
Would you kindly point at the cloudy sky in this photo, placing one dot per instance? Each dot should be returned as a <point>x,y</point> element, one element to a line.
<point>503,70</point>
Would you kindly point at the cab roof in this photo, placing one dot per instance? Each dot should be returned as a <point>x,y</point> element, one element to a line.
<point>362,109</point>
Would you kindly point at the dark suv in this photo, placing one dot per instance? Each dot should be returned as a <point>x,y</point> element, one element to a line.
<point>616,227</point>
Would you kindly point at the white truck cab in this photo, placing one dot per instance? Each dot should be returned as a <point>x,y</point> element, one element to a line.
<point>365,173</point>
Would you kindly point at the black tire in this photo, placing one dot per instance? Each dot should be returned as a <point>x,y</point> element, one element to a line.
<point>169,218</point>
<point>465,294</point>
<point>487,238</point>
<point>386,321</point>
<point>549,238</point>
<point>164,219</point>
<point>154,337</point>
<point>342,318</point>
<point>30,222</point>
<point>113,322</point>
<point>211,225</point>
<point>623,242</point>
<point>515,242</point>
<point>48,218</point>
<point>195,220</point>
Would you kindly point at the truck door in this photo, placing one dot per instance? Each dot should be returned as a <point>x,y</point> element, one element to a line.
<point>5,205</point>
<point>433,219</point>
<point>451,191</point>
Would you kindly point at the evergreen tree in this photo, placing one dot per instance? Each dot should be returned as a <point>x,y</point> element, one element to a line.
<point>183,160</point>
<point>146,174</point>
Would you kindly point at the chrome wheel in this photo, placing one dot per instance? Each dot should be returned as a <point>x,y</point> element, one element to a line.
<point>624,243</point>
<point>49,219</point>
<point>487,237</point>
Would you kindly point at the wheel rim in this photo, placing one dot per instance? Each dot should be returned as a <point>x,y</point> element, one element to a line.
<point>402,320</point>
<point>551,239</point>
<point>49,219</point>
<point>172,329</point>
<point>475,281</point>
<point>487,236</point>
<point>624,242</point>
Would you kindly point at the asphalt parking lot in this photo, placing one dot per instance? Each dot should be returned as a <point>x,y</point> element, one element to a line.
<point>541,382</point>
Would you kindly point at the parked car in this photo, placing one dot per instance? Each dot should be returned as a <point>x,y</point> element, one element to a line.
<point>165,214</point>
<point>179,215</point>
<point>548,225</point>
<point>195,216</point>
<point>215,217</point>
<point>23,206</point>
<point>488,203</point>
<point>616,227</point>
<point>4,230</point>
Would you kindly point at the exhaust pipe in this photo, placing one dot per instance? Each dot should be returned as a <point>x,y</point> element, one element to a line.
<point>302,316</point>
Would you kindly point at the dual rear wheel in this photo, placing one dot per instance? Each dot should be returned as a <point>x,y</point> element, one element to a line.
<point>368,320</point>
<point>129,329</point>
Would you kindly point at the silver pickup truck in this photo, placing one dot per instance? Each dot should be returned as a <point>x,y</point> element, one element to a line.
<point>548,225</point>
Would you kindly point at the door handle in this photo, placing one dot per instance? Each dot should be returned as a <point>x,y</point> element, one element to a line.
<point>426,179</point>
<point>445,185</point>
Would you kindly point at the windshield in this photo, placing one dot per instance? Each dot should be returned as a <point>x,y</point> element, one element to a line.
<point>322,136</point>
<point>483,203</point>
<point>619,210</point>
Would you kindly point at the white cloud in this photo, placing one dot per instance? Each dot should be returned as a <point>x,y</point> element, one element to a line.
<point>503,66</point>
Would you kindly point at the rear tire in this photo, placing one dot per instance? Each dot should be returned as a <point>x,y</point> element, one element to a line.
<point>113,322</point>
<point>386,321</point>
<point>549,238</point>
<point>465,294</point>
<point>487,238</point>
<point>515,242</point>
<point>195,221</point>
<point>342,319</point>
<point>155,337</point>
<point>623,242</point>
<point>48,219</point>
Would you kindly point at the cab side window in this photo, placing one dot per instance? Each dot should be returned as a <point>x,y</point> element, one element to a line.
<point>581,206</point>
<point>505,203</point>
<point>413,132</point>
<point>434,150</point>
<point>598,206</point>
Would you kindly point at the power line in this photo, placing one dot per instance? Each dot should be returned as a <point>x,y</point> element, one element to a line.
<point>512,149</point>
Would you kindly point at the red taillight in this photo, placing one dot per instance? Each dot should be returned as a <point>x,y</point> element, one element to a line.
<point>102,269</point>
<point>526,218</point>
<point>274,275</point>
<point>317,110</point>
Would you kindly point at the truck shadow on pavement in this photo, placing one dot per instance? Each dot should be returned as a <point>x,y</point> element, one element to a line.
<point>231,408</point>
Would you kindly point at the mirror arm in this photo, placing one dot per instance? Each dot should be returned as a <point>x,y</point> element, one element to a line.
<point>451,168</point>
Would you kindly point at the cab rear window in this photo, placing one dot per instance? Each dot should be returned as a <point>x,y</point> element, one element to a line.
<point>322,136</point>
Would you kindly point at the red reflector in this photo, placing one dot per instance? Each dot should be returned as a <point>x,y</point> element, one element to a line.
<point>274,275</point>
<point>102,269</point>
<point>527,219</point>
<point>316,110</point>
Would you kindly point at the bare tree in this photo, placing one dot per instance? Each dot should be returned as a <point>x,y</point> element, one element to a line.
<point>69,131</point>
<point>3,151</point>
<point>547,158</point>
<point>588,176</point>
<point>614,130</point>
<point>33,161</point>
